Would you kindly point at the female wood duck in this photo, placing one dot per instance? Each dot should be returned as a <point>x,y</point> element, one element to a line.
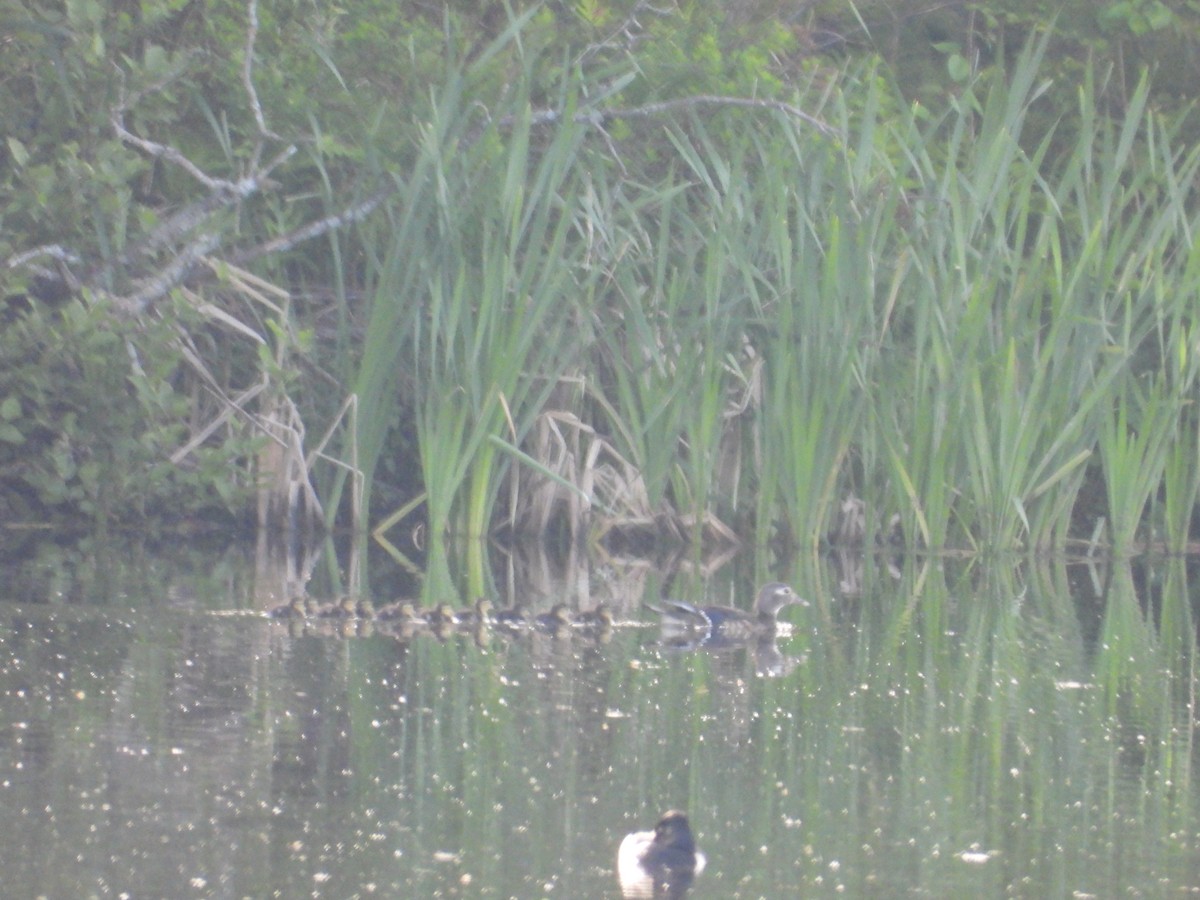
<point>725,622</point>
<point>662,862</point>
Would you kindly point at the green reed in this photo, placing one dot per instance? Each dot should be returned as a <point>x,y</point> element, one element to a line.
<point>468,322</point>
<point>1036,295</point>
<point>1134,448</point>
<point>1181,483</point>
<point>649,372</point>
<point>935,318</point>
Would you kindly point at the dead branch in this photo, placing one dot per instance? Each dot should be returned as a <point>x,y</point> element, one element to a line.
<point>599,117</point>
<point>54,251</point>
<point>248,71</point>
<point>171,276</point>
<point>223,193</point>
<point>307,232</point>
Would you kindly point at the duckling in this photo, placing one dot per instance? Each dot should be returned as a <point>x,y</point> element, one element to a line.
<point>478,615</point>
<point>596,623</point>
<point>442,614</point>
<point>345,608</point>
<point>400,620</point>
<point>556,622</point>
<point>513,619</point>
<point>597,619</point>
<point>293,609</point>
<point>400,611</point>
<point>440,620</point>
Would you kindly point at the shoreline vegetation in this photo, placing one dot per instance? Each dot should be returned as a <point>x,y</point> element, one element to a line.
<point>779,301</point>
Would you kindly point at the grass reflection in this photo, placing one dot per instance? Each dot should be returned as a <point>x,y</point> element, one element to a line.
<point>955,728</point>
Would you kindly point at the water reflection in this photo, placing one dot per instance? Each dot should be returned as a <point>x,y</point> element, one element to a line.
<point>768,659</point>
<point>660,863</point>
<point>961,731</point>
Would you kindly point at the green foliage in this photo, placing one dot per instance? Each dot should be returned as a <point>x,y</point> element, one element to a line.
<point>715,299</point>
<point>89,419</point>
<point>923,314</point>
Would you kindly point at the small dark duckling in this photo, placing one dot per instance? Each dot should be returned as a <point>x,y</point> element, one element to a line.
<point>598,619</point>
<point>556,622</point>
<point>401,611</point>
<point>400,620</point>
<point>442,614</point>
<point>475,617</point>
<point>440,620</point>
<point>293,609</point>
<point>662,862</point>
<point>345,608</point>
<point>596,623</point>
<point>512,620</point>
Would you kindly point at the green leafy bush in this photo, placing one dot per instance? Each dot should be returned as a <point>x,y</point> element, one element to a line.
<point>89,419</point>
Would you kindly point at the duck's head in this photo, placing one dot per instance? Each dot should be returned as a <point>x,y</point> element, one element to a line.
<point>673,831</point>
<point>775,596</point>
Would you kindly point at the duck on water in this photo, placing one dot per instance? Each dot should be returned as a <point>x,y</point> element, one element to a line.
<point>662,862</point>
<point>726,622</point>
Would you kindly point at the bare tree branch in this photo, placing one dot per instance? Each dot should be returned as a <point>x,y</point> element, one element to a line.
<point>286,242</point>
<point>247,71</point>
<point>54,251</point>
<point>175,273</point>
<point>600,116</point>
<point>162,151</point>
<point>223,193</point>
<point>197,223</point>
<point>652,109</point>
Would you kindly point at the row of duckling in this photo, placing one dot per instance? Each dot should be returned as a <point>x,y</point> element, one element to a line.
<point>443,617</point>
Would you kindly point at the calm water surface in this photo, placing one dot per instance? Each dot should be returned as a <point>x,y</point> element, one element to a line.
<point>928,729</point>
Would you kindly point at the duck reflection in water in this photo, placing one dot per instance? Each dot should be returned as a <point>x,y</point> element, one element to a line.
<point>659,863</point>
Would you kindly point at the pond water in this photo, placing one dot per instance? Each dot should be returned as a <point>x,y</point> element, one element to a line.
<point>936,728</point>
